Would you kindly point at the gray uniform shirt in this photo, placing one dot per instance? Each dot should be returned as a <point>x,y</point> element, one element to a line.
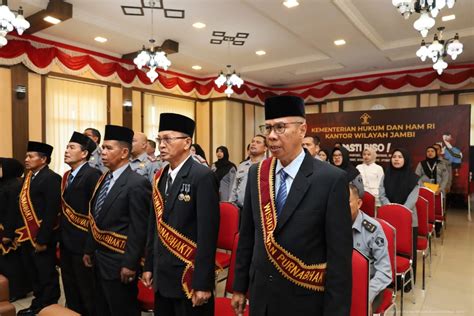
<point>442,175</point>
<point>410,203</point>
<point>237,193</point>
<point>95,161</point>
<point>144,166</point>
<point>369,239</point>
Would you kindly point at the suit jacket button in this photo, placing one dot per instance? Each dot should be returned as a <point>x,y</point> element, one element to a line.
<point>270,278</point>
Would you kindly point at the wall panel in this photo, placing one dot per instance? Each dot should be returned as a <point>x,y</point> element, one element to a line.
<point>6,149</point>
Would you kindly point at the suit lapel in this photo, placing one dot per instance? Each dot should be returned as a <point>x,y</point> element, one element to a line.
<point>115,191</point>
<point>297,192</point>
<point>176,186</point>
<point>77,179</point>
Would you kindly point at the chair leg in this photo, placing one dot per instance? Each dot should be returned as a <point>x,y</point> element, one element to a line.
<point>429,264</point>
<point>423,286</point>
<point>401,294</point>
<point>412,278</point>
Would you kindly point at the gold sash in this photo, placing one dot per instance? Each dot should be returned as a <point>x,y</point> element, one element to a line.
<point>6,249</point>
<point>32,224</point>
<point>78,220</point>
<point>179,245</point>
<point>111,240</point>
<point>292,268</point>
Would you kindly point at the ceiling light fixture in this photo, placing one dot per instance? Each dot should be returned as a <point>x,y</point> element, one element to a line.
<point>196,67</point>
<point>52,19</point>
<point>8,22</point>
<point>229,78</point>
<point>448,18</point>
<point>339,42</point>
<point>151,58</point>
<point>100,39</point>
<point>291,3</point>
<point>428,9</point>
<point>260,52</point>
<point>439,49</point>
<point>199,25</point>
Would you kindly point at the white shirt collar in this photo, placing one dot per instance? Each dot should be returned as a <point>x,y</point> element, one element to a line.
<point>174,172</point>
<point>117,173</point>
<point>292,168</point>
<point>76,171</point>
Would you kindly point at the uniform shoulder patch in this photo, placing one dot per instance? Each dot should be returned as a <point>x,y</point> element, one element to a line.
<point>369,226</point>
<point>379,241</point>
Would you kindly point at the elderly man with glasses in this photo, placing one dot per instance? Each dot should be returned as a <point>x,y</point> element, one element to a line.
<point>295,248</point>
<point>183,227</point>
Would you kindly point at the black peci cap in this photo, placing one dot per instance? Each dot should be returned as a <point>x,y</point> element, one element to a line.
<point>40,148</point>
<point>283,106</point>
<point>177,123</point>
<point>119,133</point>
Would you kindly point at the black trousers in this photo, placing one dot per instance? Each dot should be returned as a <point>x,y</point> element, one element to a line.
<point>78,283</point>
<point>114,298</point>
<point>11,266</point>
<point>165,306</point>
<point>41,269</point>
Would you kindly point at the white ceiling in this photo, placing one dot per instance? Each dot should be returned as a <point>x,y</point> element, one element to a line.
<point>298,41</point>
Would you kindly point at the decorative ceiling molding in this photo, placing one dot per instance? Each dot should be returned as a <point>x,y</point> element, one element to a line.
<point>237,40</point>
<point>313,70</point>
<point>284,63</point>
<point>145,4</point>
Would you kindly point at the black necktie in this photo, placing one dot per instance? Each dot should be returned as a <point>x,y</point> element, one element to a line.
<point>169,183</point>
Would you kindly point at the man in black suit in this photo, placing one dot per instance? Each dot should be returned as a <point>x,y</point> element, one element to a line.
<point>183,229</point>
<point>295,246</point>
<point>118,224</point>
<point>77,187</point>
<point>40,205</point>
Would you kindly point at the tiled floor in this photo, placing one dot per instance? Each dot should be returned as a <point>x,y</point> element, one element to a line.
<point>450,289</point>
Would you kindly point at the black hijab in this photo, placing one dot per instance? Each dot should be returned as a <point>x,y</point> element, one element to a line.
<point>399,182</point>
<point>347,166</point>
<point>223,165</point>
<point>429,165</point>
<point>11,168</point>
<point>327,154</point>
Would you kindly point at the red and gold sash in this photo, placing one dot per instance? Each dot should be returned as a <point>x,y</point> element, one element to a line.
<point>78,220</point>
<point>179,245</point>
<point>111,240</point>
<point>32,224</point>
<point>311,276</point>
<point>4,249</point>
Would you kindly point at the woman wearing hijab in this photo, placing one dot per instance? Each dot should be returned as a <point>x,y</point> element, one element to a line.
<point>340,159</point>
<point>323,155</point>
<point>371,173</point>
<point>400,185</point>
<point>10,261</point>
<point>225,172</point>
<point>432,170</point>
<point>198,154</point>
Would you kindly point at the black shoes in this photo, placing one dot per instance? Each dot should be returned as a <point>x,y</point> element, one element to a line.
<point>30,311</point>
<point>16,298</point>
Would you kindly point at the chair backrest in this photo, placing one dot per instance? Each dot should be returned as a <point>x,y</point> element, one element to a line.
<point>391,235</point>
<point>439,206</point>
<point>230,276</point>
<point>368,204</point>
<point>360,305</point>
<point>422,212</point>
<point>399,217</point>
<point>429,195</point>
<point>228,225</point>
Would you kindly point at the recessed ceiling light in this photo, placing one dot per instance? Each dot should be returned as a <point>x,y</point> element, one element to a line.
<point>290,3</point>
<point>100,39</point>
<point>339,42</point>
<point>448,17</point>
<point>199,25</point>
<point>196,67</point>
<point>51,19</point>
<point>260,52</point>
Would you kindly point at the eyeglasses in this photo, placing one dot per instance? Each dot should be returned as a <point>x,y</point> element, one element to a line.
<point>279,128</point>
<point>169,140</point>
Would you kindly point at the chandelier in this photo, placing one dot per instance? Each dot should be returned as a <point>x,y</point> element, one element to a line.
<point>151,58</point>
<point>428,10</point>
<point>439,49</point>
<point>229,78</point>
<point>8,22</point>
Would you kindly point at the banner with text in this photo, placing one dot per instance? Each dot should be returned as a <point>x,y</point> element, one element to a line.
<point>413,129</point>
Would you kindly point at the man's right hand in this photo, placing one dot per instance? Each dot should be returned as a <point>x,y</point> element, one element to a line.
<point>87,260</point>
<point>238,303</point>
<point>147,279</point>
